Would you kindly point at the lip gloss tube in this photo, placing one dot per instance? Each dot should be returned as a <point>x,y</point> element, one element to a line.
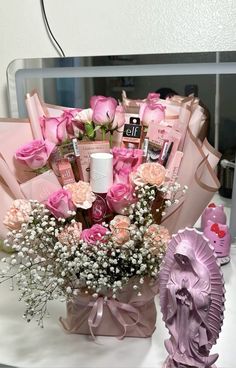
<point>66,172</point>
<point>165,152</point>
<point>77,158</point>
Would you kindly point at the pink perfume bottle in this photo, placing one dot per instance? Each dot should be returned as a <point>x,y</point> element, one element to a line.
<point>220,239</point>
<point>101,179</point>
<point>214,213</point>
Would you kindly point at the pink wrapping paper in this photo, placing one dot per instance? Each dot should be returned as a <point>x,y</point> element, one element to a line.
<point>10,141</point>
<point>128,315</point>
<point>197,172</point>
<point>37,108</point>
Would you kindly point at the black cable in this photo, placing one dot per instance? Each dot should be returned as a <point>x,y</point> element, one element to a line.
<point>52,37</point>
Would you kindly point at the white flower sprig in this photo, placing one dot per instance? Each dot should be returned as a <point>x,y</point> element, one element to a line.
<point>44,269</point>
<point>48,266</point>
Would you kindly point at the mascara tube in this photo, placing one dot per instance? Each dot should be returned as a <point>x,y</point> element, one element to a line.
<point>77,158</point>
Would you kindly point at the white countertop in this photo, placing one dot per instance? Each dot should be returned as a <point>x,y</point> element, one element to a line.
<point>27,345</point>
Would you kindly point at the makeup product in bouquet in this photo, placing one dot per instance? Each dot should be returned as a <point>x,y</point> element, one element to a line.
<point>65,171</point>
<point>63,163</point>
<point>101,179</point>
<point>173,169</point>
<point>77,159</point>
<point>53,160</point>
<point>165,152</point>
<point>132,131</point>
<point>41,186</point>
<point>68,152</point>
<point>158,135</point>
<point>86,149</point>
<point>154,151</point>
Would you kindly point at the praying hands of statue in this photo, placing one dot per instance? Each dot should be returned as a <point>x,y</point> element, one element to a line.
<point>183,295</point>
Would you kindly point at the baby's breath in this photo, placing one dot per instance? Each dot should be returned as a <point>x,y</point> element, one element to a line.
<point>44,269</point>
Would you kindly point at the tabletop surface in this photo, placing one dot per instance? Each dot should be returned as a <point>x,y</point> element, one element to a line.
<point>26,345</point>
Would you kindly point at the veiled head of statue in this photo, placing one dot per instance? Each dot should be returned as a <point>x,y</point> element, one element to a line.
<point>184,254</point>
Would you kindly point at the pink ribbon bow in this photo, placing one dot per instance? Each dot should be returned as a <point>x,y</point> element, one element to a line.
<point>114,306</point>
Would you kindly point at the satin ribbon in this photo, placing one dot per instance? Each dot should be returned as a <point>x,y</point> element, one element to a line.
<point>96,314</point>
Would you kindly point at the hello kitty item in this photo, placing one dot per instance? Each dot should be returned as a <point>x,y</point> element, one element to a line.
<point>213,213</point>
<point>220,239</point>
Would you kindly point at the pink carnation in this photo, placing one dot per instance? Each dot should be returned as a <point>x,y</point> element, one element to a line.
<point>149,173</point>
<point>18,214</point>
<point>81,194</point>
<point>120,228</point>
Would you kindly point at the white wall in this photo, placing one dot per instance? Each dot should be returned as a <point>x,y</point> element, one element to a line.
<point>101,27</point>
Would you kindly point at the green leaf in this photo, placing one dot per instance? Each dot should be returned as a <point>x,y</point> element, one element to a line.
<point>97,127</point>
<point>89,129</point>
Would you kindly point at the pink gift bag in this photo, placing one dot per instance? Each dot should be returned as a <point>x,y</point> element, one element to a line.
<point>197,172</point>
<point>128,315</point>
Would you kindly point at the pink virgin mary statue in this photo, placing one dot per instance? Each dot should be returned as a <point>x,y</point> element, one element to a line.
<point>186,304</point>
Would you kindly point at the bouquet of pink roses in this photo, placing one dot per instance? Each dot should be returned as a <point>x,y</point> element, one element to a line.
<point>99,251</point>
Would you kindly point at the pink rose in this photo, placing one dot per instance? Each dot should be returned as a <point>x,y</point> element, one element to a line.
<point>153,96</point>
<point>81,194</point>
<point>120,228</point>
<point>158,237</point>
<point>71,234</point>
<point>80,119</point>
<point>151,111</point>
<point>59,129</point>
<point>149,173</point>
<point>35,154</point>
<point>104,109</point>
<point>119,197</point>
<point>124,162</point>
<point>95,234</point>
<point>60,203</point>
<point>18,214</point>
<point>84,116</point>
<point>119,118</point>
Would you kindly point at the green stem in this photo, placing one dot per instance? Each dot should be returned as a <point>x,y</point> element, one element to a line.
<point>111,138</point>
<point>103,133</point>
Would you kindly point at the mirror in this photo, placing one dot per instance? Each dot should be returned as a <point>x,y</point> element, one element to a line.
<point>72,81</point>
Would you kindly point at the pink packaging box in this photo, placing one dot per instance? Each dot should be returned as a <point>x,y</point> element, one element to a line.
<point>41,186</point>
